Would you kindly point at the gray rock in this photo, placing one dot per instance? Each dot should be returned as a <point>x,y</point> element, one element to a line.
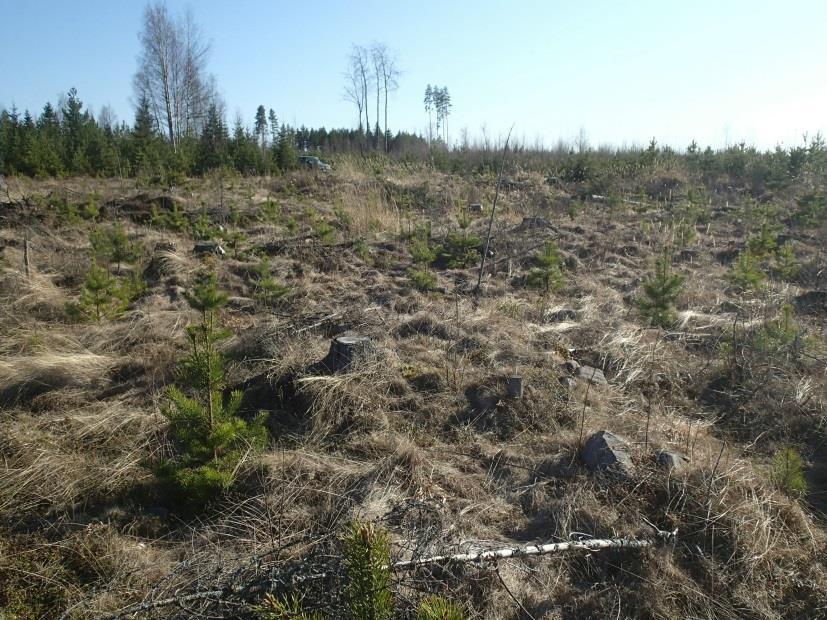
<point>242,304</point>
<point>673,461</point>
<point>176,292</point>
<point>563,314</point>
<point>605,451</point>
<point>571,366</point>
<point>568,382</point>
<point>594,375</point>
<point>208,247</point>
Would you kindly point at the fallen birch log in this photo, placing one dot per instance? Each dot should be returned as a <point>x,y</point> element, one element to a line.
<point>264,585</point>
<point>594,544</point>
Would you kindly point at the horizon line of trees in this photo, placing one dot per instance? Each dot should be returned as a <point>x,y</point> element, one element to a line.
<point>68,139</point>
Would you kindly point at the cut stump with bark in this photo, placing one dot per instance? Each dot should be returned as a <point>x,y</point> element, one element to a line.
<point>344,350</point>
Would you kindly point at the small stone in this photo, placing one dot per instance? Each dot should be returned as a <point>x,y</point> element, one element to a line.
<point>605,451</point>
<point>594,375</point>
<point>561,314</point>
<point>242,304</point>
<point>568,382</point>
<point>673,461</point>
<point>515,386</point>
<point>164,246</point>
<point>208,247</point>
<point>571,366</point>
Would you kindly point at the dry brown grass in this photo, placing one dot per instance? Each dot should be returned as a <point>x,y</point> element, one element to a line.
<point>422,438</point>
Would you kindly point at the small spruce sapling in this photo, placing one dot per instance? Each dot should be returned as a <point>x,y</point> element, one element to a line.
<point>661,290</point>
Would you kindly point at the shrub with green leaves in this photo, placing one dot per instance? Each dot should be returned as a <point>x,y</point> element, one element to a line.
<point>366,554</point>
<point>661,291</point>
<point>546,276</point>
<point>787,471</point>
<point>210,439</point>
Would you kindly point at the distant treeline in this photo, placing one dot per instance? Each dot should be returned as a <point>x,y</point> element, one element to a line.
<point>68,140</point>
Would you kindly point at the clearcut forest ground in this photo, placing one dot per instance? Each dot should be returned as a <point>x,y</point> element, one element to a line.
<point>419,437</point>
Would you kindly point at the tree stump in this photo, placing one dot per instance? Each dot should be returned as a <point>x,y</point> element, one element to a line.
<point>344,350</point>
<point>515,386</point>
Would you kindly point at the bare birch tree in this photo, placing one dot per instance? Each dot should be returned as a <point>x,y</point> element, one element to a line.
<point>387,79</point>
<point>358,82</point>
<point>353,89</point>
<point>172,72</point>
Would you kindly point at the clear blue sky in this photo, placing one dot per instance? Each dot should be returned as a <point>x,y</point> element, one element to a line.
<point>713,70</point>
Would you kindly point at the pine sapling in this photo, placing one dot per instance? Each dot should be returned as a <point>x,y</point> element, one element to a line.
<point>211,439</point>
<point>661,291</point>
<point>546,276</point>
<point>366,552</point>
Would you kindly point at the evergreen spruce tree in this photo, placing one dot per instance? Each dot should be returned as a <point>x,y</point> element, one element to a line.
<point>286,158</point>
<point>261,127</point>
